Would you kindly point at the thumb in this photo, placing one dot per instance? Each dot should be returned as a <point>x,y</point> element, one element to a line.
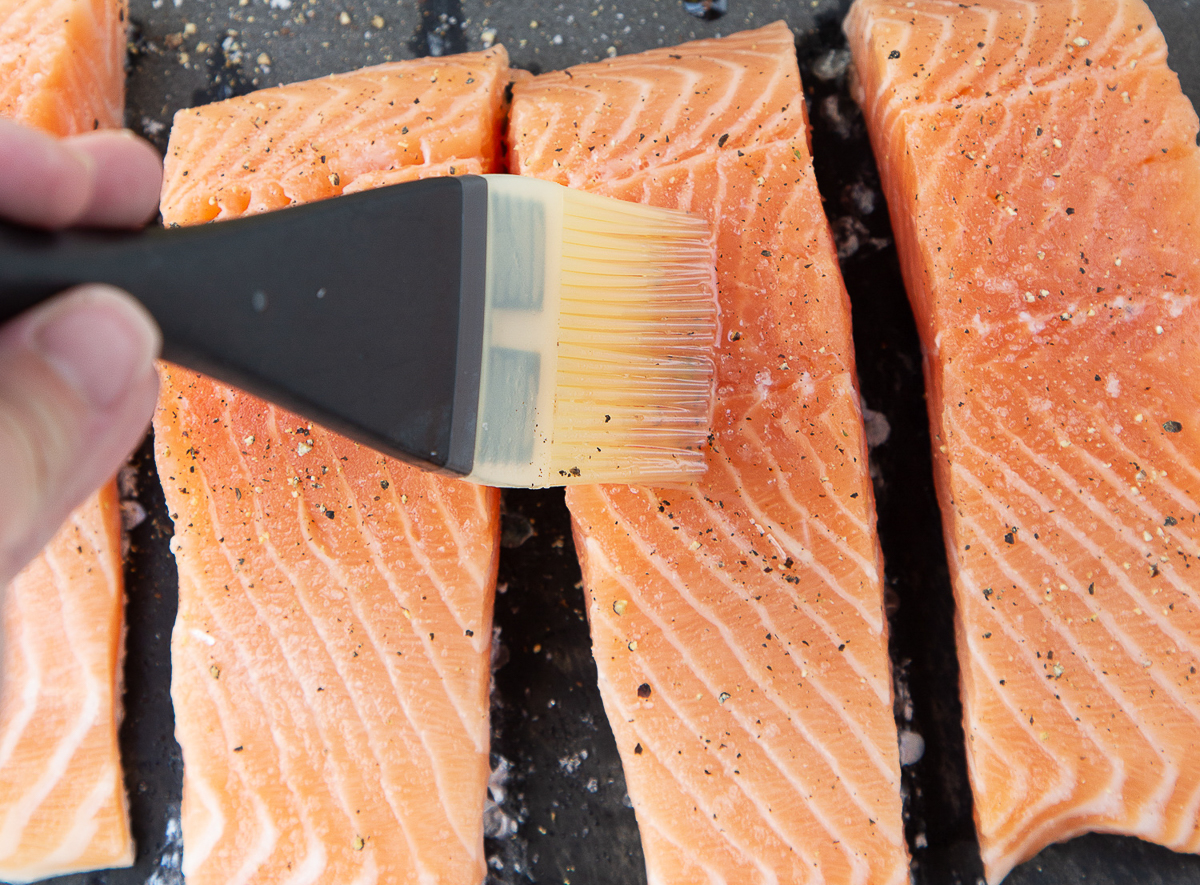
<point>77,388</point>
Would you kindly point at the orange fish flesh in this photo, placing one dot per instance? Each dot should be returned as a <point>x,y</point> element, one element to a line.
<point>62,798</point>
<point>62,63</point>
<point>331,654</point>
<point>62,70</point>
<point>1043,178</point>
<point>738,624</point>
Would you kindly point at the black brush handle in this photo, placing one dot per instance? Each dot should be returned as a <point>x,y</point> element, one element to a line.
<point>361,312</point>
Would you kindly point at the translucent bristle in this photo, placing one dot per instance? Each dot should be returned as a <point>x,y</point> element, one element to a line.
<point>599,336</point>
<point>637,329</point>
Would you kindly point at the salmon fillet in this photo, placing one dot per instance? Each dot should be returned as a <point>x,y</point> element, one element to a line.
<point>338,134</point>
<point>737,624</point>
<point>62,798</point>
<point>62,63</point>
<point>331,654</point>
<point>1041,169</point>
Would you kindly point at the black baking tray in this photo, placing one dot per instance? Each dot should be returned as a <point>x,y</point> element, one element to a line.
<point>564,790</point>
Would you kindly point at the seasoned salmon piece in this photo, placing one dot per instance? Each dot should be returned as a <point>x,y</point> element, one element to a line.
<point>62,798</point>
<point>62,63</point>
<point>737,624</point>
<point>385,124</point>
<point>331,657</point>
<point>1042,173</point>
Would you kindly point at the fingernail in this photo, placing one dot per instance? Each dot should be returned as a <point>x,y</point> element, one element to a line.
<point>98,340</point>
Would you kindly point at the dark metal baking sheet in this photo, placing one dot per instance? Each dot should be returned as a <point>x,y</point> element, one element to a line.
<point>564,791</point>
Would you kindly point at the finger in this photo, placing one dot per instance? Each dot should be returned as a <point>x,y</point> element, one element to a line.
<point>127,178</point>
<point>77,389</point>
<point>45,182</point>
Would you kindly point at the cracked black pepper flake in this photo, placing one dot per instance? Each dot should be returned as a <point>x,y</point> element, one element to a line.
<point>1091,589</point>
<point>637,750</point>
<point>1009,539</point>
<point>721,141</point>
<point>644,690</point>
<point>1070,211</point>
<point>1170,521</point>
<point>329,514</point>
<point>1172,426</point>
<point>895,53</point>
<point>383,483</point>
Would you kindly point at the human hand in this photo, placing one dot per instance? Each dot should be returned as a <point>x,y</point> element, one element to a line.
<point>77,379</point>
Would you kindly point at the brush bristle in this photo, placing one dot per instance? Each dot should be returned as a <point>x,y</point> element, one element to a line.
<point>637,330</point>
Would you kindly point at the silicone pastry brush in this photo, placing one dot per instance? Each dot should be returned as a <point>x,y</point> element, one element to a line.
<point>505,329</point>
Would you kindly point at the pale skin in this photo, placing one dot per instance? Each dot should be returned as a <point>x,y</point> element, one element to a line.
<point>77,379</point>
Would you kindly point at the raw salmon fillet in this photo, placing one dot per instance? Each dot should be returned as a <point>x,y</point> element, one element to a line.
<point>62,799</point>
<point>1041,168</point>
<point>738,624</point>
<point>331,654</point>
<point>62,63</point>
<point>338,134</point>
